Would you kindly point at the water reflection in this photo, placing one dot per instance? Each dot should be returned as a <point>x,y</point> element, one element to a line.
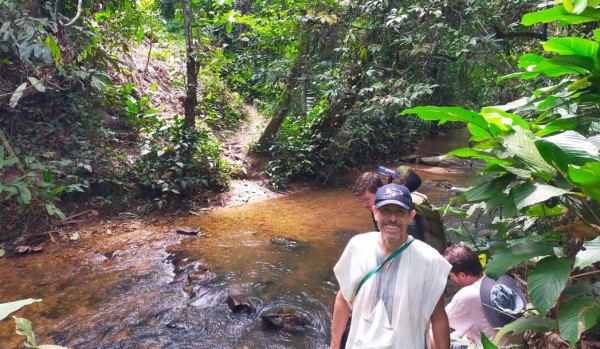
<point>151,288</point>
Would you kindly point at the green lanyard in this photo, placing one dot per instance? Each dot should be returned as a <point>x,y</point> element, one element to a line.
<point>390,257</point>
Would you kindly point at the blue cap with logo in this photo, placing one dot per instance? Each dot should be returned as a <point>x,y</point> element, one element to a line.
<point>393,194</point>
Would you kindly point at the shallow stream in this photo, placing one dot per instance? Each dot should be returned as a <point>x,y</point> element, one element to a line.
<point>137,284</point>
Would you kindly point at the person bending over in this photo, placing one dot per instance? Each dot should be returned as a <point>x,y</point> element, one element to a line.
<point>467,313</point>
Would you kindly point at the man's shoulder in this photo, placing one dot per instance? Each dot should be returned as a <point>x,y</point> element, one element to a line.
<point>365,237</point>
<point>427,252</point>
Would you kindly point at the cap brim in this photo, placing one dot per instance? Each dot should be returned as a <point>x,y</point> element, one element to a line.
<point>392,202</point>
<point>495,317</point>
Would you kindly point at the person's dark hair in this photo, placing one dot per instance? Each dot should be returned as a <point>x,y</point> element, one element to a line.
<point>367,182</point>
<point>412,180</point>
<point>408,178</point>
<point>464,260</point>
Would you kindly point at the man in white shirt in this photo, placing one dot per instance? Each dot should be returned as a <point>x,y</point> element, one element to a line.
<point>467,314</point>
<point>393,307</point>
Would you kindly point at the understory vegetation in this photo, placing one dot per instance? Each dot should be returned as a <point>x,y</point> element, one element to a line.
<point>127,105</point>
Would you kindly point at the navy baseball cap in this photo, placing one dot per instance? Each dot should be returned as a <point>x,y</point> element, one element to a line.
<point>393,194</point>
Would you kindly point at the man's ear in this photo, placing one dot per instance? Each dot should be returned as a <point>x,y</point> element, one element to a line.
<point>413,213</point>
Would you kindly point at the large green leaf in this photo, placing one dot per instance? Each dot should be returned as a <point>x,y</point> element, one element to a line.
<point>503,119</point>
<point>549,68</point>
<point>587,178</point>
<point>530,194</point>
<point>7,308</point>
<point>559,13</point>
<point>520,144</point>
<point>507,257</point>
<point>576,316</point>
<point>488,189</point>
<point>534,323</point>
<point>568,123</point>
<point>576,61</point>
<point>567,148</point>
<point>445,114</point>
<point>572,46</point>
<point>503,201</point>
<point>590,255</point>
<point>487,343</point>
<point>575,6</point>
<point>547,281</point>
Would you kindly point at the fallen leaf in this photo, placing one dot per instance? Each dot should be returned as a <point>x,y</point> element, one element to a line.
<point>108,231</point>
<point>74,236</point>
<point>37,248</point>
<point>93,213</point>
<point>2,252</point>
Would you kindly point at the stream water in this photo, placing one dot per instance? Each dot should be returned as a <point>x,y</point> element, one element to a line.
<point>137,284</point>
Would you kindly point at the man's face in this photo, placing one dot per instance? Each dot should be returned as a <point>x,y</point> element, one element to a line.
<point>367,199</point>
<point>393,222</point>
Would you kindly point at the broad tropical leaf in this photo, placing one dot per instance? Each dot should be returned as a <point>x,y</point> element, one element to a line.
<point>488,189</point>
<point>577,62</point>
<point>520,144</point>
<point>559,13</point>
<point>530,194</point>
<point>534,323</point>
<point>590,255</point>
<point>445,114</point>
<point>572,46</point>
<point>503,119</point>
<point>547,281</point>
<point>7,308</point>
<point>506,257</point>
<point>576,316</point>
<point>486,342</point>
<point>587,178</point>
<point>575,6</point>
<point>567,148</point>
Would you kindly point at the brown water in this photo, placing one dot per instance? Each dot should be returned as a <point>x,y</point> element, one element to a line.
<point>129,287</point>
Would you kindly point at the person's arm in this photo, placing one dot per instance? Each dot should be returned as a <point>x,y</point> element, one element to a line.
<point>440,329</point>
<point>341,314</point>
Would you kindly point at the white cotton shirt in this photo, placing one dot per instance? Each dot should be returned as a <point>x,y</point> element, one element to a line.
<point>466,317</point>
<point>412,287</point>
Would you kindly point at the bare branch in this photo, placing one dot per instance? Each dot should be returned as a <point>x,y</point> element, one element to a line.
<point>76,16</point>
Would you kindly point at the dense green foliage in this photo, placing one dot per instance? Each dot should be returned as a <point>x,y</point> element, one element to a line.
<point>543,177</point>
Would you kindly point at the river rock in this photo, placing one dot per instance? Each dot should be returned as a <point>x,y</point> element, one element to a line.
<point>240,304</point>
<point>189,231</point>
<point>285,319</point>
<point>204,274</point>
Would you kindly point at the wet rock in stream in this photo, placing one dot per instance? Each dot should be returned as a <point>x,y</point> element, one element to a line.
<point>189,231</point>
<point>285,319</point>
<point>243,304</point>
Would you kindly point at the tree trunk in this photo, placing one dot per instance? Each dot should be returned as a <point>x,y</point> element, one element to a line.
<point>337,114</point>
<point>191,100</point>
<point>282,110</point>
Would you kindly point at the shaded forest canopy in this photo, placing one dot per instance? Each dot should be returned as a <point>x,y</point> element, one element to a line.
<point>108,102</point>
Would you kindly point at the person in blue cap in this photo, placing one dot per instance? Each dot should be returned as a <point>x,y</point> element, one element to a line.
<point>390,282</point>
